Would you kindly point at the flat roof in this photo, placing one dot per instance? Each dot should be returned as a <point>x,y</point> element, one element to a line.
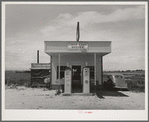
<point>100,47</point>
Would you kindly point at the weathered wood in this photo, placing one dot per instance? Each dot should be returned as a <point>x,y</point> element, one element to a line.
<point>40,66</point>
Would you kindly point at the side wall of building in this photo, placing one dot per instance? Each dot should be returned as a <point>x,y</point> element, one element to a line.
<point>73,60</point>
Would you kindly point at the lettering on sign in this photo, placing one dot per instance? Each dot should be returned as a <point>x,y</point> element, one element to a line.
<point>77,47</point>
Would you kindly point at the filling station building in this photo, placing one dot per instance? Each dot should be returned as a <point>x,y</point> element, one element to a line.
<point>77,64</point>
<point>77,55</point>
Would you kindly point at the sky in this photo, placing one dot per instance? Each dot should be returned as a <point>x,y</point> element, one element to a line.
<point>28,26</point>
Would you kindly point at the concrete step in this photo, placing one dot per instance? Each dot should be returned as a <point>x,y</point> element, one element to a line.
<point>77,94</point>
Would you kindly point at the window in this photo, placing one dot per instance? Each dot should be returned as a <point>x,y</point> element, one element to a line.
<point>91,72</point>
<point>62,70</point>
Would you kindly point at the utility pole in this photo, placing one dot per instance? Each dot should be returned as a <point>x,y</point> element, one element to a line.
<point>37,56</point>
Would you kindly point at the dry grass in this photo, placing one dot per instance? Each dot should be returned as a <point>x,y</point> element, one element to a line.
<point>135,82</point>
<point>11,77</point>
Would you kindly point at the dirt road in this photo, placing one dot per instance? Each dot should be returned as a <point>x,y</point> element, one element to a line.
<point>33,98</point>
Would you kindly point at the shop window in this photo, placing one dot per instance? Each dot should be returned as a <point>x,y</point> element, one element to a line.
<point>91,72</point>
<point>62,71</point>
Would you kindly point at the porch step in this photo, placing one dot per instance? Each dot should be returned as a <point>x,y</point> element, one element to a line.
<point>77,94</point>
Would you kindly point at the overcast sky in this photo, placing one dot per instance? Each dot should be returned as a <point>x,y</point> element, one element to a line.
<point>28,26</point>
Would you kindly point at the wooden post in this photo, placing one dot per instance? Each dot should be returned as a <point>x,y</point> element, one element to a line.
<point>50,71</point>
<point>59,74</point>
<point>95,71</point>
<point>101,71</point>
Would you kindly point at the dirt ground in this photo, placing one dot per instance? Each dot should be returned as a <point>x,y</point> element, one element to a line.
<point>41,98</point>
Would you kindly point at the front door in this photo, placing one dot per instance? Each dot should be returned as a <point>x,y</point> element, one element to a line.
<point>76,79</point>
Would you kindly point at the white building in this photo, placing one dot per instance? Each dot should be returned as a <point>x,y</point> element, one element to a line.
<point>77,54</point>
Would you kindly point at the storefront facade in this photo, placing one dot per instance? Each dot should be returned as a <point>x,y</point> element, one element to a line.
<point>77,55</point>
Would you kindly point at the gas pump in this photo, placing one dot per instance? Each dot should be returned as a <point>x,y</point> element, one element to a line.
<point>86,80</point>
<point>68,80</point>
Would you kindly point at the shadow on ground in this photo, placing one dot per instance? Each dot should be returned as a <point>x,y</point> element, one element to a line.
<point>113,92</point>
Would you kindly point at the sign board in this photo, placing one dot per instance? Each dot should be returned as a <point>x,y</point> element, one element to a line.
<point>78,47</point>
<point>40,65</point>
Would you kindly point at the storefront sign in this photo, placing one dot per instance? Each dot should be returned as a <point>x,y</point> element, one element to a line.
<point>78,47</point>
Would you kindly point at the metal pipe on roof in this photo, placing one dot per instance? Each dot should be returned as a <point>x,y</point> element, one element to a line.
<point>37,56</point>
<point>78,32</point>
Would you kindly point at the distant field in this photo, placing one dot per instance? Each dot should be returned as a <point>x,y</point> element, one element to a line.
<point>134,79</point>
<point>13,77</point>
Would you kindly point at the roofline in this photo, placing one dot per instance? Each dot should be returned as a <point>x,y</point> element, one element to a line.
<point>77,42</point>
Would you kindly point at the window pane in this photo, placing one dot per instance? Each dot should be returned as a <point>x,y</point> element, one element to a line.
<point>91,72</point>
<point>62,70</point>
